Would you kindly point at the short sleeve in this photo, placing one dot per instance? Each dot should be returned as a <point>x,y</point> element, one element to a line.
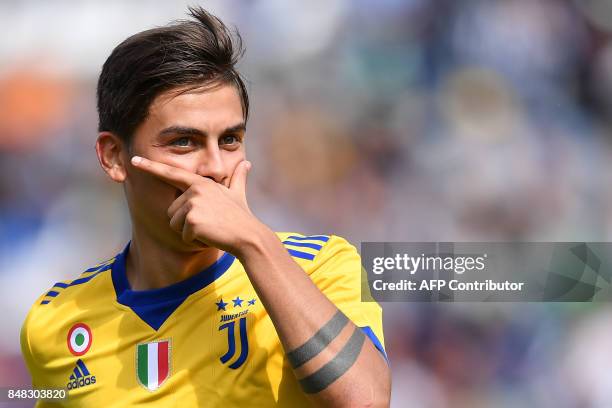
<point>25,340</point>
<point>338,274</point>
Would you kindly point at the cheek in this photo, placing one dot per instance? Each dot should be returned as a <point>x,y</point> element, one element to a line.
<point>231,159</point>
<point>188,162</point>
<point>148,191</point>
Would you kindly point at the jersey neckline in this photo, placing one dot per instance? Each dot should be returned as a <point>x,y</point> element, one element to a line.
<point>170,296</point>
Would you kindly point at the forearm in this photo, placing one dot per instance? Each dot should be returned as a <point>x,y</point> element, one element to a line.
<point>331,357</point>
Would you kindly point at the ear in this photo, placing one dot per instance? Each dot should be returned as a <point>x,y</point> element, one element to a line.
<point>110,150</point>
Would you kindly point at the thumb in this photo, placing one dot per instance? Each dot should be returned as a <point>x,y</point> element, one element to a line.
<point>239,178</point>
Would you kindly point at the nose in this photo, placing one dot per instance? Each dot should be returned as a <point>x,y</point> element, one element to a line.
<point>211,165</point>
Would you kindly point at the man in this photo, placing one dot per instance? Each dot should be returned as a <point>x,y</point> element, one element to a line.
<point>206,306</point>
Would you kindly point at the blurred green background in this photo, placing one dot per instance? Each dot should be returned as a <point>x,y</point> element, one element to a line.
<point>389,120</point>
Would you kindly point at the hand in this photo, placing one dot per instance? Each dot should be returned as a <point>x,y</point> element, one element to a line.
<point>207,211</point>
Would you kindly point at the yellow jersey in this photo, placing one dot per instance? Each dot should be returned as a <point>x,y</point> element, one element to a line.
<point>205,341</point>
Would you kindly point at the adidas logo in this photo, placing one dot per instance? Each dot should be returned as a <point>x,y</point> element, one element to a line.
<point>80,376</point>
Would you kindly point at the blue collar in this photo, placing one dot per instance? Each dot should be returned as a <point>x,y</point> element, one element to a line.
<point>156,305</point>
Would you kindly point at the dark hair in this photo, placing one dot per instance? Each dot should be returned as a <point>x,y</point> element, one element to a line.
<point>194,54</point>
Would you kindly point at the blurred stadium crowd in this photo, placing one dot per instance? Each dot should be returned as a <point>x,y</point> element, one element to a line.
<point>388,120</point>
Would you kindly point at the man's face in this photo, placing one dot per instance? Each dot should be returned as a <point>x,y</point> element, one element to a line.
<point>201,132</point>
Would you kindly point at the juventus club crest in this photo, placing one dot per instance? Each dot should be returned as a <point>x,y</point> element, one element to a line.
<point>153,363</point>
<point>234,321</point>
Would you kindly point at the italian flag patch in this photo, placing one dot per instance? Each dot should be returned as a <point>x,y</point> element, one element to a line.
<point>153,364</point>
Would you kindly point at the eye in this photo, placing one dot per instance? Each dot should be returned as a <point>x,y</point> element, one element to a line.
<point>182,142</point>
<point>229,139</point>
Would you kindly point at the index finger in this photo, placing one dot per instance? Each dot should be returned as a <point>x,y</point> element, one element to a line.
<point>179,178</point>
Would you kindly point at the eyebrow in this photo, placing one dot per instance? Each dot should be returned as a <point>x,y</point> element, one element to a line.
<point>191,131</point>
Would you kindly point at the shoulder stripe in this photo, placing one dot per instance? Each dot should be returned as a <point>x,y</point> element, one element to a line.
<point>303,244</point>
<point>300,254</point>
<point>95,268</point>
<point>323,238</point>
<point>306,245</point>
<point>100,268</point>
<point>83,279</point>
<point>87,278</point>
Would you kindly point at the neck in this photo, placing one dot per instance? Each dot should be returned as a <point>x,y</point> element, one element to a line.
<point>152,265</point>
